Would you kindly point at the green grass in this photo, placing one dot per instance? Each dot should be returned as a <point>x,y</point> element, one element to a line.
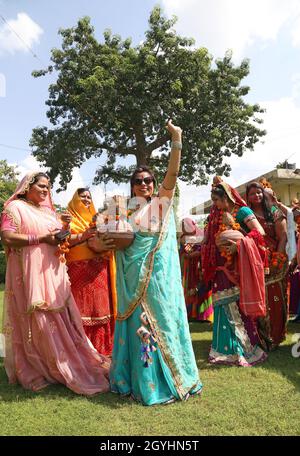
<point>263,400</point>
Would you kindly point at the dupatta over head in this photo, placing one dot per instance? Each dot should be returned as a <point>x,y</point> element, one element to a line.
<point>208,250</point>
<point>24,186</point>
<point>82,218</point>
<point>249,269</point>
<point>40,267</point>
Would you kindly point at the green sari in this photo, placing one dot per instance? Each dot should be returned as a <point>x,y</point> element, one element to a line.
<point>149,286</point>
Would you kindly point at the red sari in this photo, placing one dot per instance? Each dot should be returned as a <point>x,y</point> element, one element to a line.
<point>198,296</point>
<point>91,288</point>
<point>92,277</point>
<point>272,328</point>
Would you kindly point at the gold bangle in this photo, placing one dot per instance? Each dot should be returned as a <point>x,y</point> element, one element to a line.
<point>168,189</point>
<point>176,145</point>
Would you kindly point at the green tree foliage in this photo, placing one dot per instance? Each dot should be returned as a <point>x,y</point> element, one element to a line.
<point>111,97</point>
<point>285,165</point>
<point>8,181</point>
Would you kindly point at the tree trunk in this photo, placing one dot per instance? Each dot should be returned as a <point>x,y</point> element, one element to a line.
<point>142,154</point>
<point>142,157</point>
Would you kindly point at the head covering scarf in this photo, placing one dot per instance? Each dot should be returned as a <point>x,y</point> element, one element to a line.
<point>208,251</point>
<point>23,188</point>
<point>190,227</point>
<point>82,217</point>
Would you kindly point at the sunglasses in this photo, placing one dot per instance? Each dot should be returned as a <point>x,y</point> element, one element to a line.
<point>146,180</point>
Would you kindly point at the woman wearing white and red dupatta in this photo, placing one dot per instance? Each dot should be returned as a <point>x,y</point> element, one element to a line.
<point>44,338</point>
<point>233,263</point>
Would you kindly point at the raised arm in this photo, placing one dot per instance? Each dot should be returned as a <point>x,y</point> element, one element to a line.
<point>168,186</point>
<point>281,234</point>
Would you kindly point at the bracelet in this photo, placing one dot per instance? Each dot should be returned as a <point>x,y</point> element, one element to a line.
<point>169,189</point>
<point>176,145</point>
<point>33,239</point>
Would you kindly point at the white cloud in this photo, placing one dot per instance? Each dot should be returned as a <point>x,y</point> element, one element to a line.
<point>30,164</point>
<point>282,122</point>
<point>27,165</point>
<point>28,31</point>
<point>234,24</point>
<point>2,85</point>
<point>296,33</point>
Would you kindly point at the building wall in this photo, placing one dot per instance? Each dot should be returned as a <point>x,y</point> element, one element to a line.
<point>285,183</point>
<point>287,192</point>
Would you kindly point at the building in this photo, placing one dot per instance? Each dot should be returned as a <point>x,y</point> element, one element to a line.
<point>285,182</point>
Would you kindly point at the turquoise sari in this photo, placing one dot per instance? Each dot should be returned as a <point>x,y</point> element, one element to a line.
<point>149,286</point>
<point>235,339</point>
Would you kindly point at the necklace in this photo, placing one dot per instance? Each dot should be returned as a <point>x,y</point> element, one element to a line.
<point>31,203</point>
<point>227,221</point>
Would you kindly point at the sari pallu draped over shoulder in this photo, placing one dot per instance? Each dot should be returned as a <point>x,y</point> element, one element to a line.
<point>149,277</point>
<point>236,303</point>
<point>82,217</point>
<point>252,279</point>
<point>39,260</point>
<point>44,339</point>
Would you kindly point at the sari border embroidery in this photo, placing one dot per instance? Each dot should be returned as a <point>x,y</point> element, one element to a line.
<point>233,314</point>
<point>166,353</point>
<point>145,280</point>
<point>38,306</point>
<point>13,218</point>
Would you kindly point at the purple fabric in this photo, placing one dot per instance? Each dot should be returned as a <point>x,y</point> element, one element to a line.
<point>295,293</point>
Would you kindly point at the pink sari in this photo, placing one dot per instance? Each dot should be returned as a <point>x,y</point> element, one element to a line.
<point>44,338</point>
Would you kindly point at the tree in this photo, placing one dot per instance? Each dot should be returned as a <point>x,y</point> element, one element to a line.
<point>115,98</point>
<point>8,181</point>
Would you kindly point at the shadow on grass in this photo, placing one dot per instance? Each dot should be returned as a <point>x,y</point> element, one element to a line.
<point>16,393</point>
<point>280,360</point>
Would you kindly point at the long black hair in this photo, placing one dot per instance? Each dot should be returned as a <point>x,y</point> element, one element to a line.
<point>219,191</point>
<point>265,205</point>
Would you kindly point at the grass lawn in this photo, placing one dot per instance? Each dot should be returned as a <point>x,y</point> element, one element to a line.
<point>263,400</point>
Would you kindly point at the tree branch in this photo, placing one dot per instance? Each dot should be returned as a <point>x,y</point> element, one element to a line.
<point>122,150</point>
<point>158,142</point>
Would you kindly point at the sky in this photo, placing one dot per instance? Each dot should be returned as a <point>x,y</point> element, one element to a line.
<point>265,31</point>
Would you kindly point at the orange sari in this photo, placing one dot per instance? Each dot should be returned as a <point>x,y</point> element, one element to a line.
<point>93,281</point>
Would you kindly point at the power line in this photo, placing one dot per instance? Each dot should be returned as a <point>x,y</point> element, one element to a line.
<point>15,147</point>
<point>82,109</point>
<point>20,38</point>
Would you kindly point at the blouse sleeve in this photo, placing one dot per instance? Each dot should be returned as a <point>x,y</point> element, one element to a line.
<point>7,223</point>
<point>278,215</point>
<point>245,214</point>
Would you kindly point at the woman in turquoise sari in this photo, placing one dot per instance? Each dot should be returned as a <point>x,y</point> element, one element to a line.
<point>153,358</point>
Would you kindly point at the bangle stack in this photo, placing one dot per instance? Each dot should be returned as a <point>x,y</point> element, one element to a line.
<point>33,239</point>
<point>169,189</point>
<point>176,145</point>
